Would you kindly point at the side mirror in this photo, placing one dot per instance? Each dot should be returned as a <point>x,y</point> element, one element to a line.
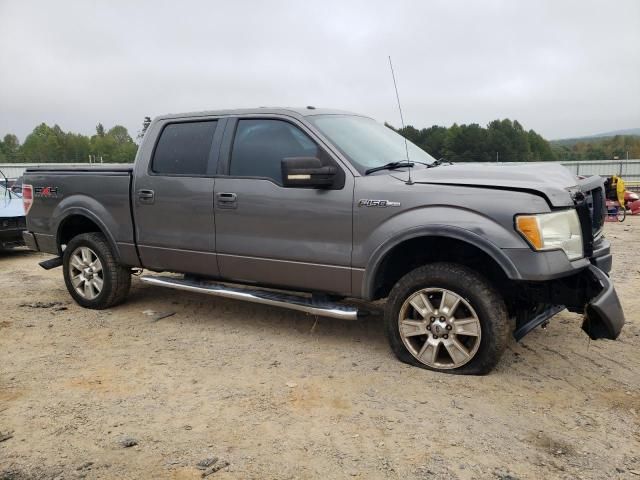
<point>307,172</point>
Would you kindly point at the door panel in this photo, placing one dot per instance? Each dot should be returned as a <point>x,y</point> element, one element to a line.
<point>291,237</point>
<point>173,207</point>
<point>297,238</point>
<point>177,231</point>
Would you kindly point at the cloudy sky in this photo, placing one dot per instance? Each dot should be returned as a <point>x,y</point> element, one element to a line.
<point>563,68</point>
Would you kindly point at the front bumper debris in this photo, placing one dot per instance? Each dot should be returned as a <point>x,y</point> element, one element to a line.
<point>589,292</point>
<point>604,317</point>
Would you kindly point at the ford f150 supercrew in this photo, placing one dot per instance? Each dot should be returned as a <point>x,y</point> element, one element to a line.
<point>302,208</point>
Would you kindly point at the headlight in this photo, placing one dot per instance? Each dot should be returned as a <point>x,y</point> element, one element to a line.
<point>552,231</point>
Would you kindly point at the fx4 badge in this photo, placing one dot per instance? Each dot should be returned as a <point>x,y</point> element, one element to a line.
<point>377,203</point>
<point>45,192</point>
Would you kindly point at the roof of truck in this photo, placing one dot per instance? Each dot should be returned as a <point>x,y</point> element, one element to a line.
<point>300,111</point>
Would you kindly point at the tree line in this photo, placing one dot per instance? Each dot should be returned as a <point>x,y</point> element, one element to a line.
<point>501,140</point>
<point>46,144</point>
<point>507,141</point>
<point>611,148</point>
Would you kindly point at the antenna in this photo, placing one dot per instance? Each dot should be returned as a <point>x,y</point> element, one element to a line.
<point>406,145</point>
<point>6,184</point>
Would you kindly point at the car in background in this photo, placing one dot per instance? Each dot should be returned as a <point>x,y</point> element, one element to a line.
<point>12,219</point>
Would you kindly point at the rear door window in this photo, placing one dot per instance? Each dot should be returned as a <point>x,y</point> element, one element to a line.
<point>185,149</point>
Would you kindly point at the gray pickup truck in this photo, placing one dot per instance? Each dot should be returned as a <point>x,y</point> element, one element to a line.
<point>302,208</point>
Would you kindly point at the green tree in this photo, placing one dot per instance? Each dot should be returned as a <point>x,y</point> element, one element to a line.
<point>119,134</point>
<point>126,148</point>
<point>41,145</point>
<point>466,143</point>
<point>9,148</point>
<point>116,145</point>
<point>433,141</point>
<point>540,149</point>
<point>10,144</point>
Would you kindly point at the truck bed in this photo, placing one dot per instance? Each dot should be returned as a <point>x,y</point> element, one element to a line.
<point>64,196</point>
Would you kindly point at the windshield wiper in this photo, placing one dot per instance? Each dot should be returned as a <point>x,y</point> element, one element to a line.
<point>440,161</point>
<point>389,166</point>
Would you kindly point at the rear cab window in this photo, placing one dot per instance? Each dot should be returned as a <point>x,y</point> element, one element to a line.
<point>185,149</point>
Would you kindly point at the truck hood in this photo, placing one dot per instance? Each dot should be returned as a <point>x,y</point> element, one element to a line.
<point>549,179</point>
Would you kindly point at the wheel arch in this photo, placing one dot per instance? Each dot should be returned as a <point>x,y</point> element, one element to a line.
<point>429,244</point>
<point>78,220</point>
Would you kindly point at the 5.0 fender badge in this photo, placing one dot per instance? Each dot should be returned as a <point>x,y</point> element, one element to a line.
<point>377,203</point>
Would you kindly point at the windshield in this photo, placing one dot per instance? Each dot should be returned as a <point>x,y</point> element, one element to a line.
<point>367,143</point>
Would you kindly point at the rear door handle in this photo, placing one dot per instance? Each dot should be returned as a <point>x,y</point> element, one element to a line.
<point>227,200</point>
<point>146,195</point>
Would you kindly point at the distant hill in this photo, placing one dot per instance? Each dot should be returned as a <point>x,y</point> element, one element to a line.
<point>628,131</point>
<point>611,145</point>
<point>634,132</point>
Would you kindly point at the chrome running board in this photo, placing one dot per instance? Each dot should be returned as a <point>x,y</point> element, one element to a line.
<point>265,297</point>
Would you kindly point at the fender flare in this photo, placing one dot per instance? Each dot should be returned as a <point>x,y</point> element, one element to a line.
<point>84,212</point>
<point>445,231</point>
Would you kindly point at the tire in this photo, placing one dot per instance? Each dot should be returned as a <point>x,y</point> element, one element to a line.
<point>474,317</point>
<point>93,277</point>
<point>621,214</point>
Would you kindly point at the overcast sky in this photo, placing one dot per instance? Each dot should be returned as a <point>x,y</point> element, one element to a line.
<point>563,68</point>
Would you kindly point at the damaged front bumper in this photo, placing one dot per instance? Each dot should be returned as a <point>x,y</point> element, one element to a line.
<point>589,292</point>
<point>604,317</point>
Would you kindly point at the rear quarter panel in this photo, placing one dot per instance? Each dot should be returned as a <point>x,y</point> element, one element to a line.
<point>101,196</point>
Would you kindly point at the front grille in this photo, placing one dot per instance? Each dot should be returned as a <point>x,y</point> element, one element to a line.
<point>597,210</point>
<point>584,214</point>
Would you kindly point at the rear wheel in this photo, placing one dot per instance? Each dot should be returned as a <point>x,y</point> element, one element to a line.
<point>447,317</point>
<point>92,276</point>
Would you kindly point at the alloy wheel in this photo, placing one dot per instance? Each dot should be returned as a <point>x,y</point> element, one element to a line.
<point>85,271</point>
<point>439,328</point>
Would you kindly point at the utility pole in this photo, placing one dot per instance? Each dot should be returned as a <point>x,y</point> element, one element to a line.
<point>497,157</point>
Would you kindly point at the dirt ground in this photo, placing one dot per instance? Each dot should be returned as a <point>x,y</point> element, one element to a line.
<point>278,395</point>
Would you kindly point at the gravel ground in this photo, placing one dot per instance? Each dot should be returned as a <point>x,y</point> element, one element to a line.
<point>236,390</point>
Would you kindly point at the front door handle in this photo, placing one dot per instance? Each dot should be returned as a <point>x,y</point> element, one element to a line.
<point>145,195</point>
<point>227,200</point>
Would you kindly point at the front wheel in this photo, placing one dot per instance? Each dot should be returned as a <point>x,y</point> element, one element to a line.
<point>621,214</point>
<point>447,317</point>
<point>93,277</point>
